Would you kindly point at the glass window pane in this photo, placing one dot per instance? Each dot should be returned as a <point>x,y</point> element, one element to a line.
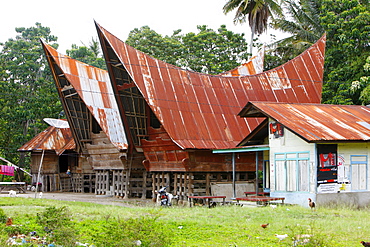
<point>280,176</point>
<point>279,156</point>
<point>361,158</point>
<point>292,175</point>
<point>291,156</point>
<point>303,175</point>
<point>358,177</point>
<point>303,155</point>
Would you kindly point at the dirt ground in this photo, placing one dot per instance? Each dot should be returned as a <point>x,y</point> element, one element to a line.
<point>86,197</point>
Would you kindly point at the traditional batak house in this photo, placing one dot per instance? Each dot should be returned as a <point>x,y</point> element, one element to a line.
<point>52,155</point>
<point>96,125</point>
<point>316,151</point>
<point>164,122</point>
<point>98,131</point>
<point>175,117</point>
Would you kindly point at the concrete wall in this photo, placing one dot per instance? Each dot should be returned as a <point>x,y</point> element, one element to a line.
<point>296,198</point>
<point>352,199</point>
<point>226,189</point>
<point>346,150</point>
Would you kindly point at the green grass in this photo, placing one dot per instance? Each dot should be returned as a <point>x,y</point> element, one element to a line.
<point>196,226</point>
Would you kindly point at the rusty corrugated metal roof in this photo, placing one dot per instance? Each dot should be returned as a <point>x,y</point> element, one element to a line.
<point>253,66</point>
<point>94,87</point>
<point>199,111</point>
<point>317,122</point>
<point>57,139</point>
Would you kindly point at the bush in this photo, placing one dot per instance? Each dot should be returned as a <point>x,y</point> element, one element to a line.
<point>146,230</point>
<point>3,217</point>
<point>58,225</point>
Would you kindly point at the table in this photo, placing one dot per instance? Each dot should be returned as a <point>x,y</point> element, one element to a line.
<point>264,199</point>
<point>20,186</point>
<point>207,198</point>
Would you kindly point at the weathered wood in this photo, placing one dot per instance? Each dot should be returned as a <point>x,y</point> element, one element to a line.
<point>102,182</point>
<point>208,184</point>
<point>103,154</point>
<point>159,158</point>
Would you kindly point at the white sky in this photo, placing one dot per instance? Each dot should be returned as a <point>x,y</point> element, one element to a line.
<point>72,21</point>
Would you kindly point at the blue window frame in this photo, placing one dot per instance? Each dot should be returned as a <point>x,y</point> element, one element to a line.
<point>358,172</point>
<point>292,171</point>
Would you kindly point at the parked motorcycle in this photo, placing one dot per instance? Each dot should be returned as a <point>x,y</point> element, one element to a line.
<point>164,197</point>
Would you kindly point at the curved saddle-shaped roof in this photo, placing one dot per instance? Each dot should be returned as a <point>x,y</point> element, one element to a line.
<point>253,66</point>
<point>94,88</point>
<point>199,111</point>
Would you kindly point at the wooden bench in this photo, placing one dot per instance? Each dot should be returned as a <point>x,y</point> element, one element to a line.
<point>20,186</point>
<point>263,199</point>
<point>207,198</point>
<point>257,194</point>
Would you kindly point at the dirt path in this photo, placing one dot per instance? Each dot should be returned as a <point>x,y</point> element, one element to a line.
<point>86,197</point>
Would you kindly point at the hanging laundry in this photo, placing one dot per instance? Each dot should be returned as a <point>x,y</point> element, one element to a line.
<point>7,170</point>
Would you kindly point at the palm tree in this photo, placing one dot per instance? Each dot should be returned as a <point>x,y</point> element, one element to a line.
<point>303,25</point>
<point>258,12</point>
<point>94,46</point>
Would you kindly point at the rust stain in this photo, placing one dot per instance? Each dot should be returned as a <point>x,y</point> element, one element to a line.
<point>253,66</point>
<point>52,138</point>
<point>317,122</point>
<point>94,87</point>
<point>194,110</point>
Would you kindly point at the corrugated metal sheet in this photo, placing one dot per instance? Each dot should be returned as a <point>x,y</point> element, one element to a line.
<point>253,66</point>
<point>317,122</point>
<point>95,89</point>
<point>199,110</point>
<point>52,138</point>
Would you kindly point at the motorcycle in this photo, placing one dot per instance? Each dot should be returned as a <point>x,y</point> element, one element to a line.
<point>164,197</point>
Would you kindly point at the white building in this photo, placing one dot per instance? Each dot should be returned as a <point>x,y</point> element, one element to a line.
<point>315,151</point>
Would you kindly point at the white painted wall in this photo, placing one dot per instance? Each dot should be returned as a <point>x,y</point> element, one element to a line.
<point>291,143</point>
<point>346,150</point>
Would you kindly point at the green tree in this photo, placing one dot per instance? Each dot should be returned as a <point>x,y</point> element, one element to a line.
<point>27,89</point>
<point>165,48</point>
<point>89,54</point>
<point>257,11</point>
<point>361,88</point>
<point>302,21</point>
<point>207,51</point>
<point>213,52</point>
<point>347,27</point>
<point>347,23</point>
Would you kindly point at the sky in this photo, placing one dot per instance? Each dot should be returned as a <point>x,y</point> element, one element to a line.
<point>72,21</point>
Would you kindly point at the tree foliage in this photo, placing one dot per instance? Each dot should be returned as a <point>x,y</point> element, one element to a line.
<point>257,11</point>
<point>347,23</point>
<point>27,89</point>
<point>207,51</point>
<point>362,86</point>
<point>165,48</point>
<point>304,26</point>
<point>89,54</point>
<point>347,27</point>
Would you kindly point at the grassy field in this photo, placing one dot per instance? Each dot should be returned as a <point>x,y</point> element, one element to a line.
<point>102,225</point>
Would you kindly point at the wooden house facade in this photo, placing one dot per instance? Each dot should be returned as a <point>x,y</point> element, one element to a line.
<point>52,155</point>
